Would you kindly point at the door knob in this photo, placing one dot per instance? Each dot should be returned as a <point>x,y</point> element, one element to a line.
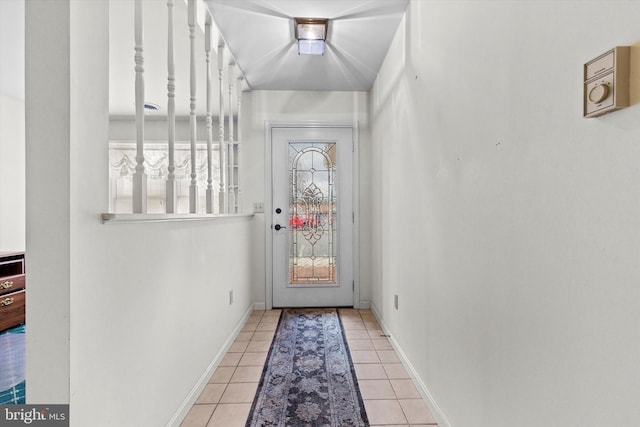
<point>278,227</point>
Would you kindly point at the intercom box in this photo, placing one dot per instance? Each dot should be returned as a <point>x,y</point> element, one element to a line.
<point>606,82</point>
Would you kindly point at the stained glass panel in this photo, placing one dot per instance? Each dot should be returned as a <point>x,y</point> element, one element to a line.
<point>312,213</point>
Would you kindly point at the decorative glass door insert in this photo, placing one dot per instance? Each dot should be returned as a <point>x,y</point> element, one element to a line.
<point>312,213</point>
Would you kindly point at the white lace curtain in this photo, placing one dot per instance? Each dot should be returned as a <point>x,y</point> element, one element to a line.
<point>122,165</point>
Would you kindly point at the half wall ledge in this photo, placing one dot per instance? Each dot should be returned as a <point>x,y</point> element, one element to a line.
<point>131,217</point>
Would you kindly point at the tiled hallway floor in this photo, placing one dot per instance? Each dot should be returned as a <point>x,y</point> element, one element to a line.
<point>389,395</point>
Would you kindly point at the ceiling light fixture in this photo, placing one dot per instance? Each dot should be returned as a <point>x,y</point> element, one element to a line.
<point>311,34</point>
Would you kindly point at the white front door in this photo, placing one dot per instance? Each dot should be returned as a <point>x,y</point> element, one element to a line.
<point>312,216</point>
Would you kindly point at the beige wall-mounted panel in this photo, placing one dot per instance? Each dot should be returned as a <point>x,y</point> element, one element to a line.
<point>606,82</point>
<point>599,65</point>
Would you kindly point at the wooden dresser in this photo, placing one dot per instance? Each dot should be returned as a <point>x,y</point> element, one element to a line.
<point>12,289</point>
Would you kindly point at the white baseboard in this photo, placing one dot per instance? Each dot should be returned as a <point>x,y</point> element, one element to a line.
<point>418,382</point>
<point>259,306</point>
<point>195,392</point>
<point>364,305</point>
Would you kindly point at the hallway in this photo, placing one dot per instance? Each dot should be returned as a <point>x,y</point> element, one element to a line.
<point>497,227</point>
<point>389,395</point>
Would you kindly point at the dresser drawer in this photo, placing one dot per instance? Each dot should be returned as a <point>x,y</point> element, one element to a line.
<point>11,284</point>
<point>12,310</point>
<point>11,265</point>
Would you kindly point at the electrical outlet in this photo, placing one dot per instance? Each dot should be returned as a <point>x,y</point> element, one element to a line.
<point>395,301</point>
<point>258,207</point>
<point>230,297</point>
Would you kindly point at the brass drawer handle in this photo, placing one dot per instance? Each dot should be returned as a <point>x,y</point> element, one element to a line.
<point>6,285</point>
<point>5,302</point>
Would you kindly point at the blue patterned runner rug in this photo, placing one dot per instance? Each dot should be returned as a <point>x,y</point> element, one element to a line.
<point>308,379</point>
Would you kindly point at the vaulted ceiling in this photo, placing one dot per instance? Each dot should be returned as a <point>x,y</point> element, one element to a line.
<point>260,34</point>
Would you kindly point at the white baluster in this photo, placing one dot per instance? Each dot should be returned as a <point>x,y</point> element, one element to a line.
<point>230,148</point>
<point>139,176</point>
<point>207,51</point>
<point>238,141</point>
<point>193,188</point>
<point>171,196</point>
<point>221,144</point>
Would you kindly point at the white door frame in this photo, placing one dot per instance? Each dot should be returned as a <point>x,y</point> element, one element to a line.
<point>268,202</point>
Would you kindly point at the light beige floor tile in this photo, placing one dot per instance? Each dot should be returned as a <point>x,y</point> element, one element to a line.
<point>258,346</point>
<point>222,374</point>
<point>263,336</point>
<point>370,371</point>
<point>350,325</point>
<point>368,317</point>
<point>253,359</point>
<point>384,412</point>
<point>239,393</point>
<point>211,393</point>
<point>260,312</point>
<point>348,311</point>
<point>405,389</point>
<point>356,334</point>
<point>416,411</point>
<point>350,316</point>
<point>198,416</point>
<point>376,389</point>
<point>230,415</point>
<point>238,347</point>
<point>244,336</point>
<point>388,356</point>
<point>395,371</point>
<point>249,327</point>
<point>254,318</point>
<point>266,326</point>
<point>376,334</point>
<point>360,345</point>
<point>270,319</point>
<point>371,325</point>
<point>272,313</point>
<point>247,374</point>
<point>231,359</point>
<point>382,344</point>
<point>364,356</point>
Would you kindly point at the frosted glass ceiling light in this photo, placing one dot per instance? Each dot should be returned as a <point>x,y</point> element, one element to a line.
<point>311,34</point>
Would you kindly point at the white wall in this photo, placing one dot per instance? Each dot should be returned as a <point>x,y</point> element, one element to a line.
<point>12,174</point>
<point>123,128</point>
<point>12,151</point>
<point>123,319</point>
<point>506,222</point>
<point>290,107</point>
